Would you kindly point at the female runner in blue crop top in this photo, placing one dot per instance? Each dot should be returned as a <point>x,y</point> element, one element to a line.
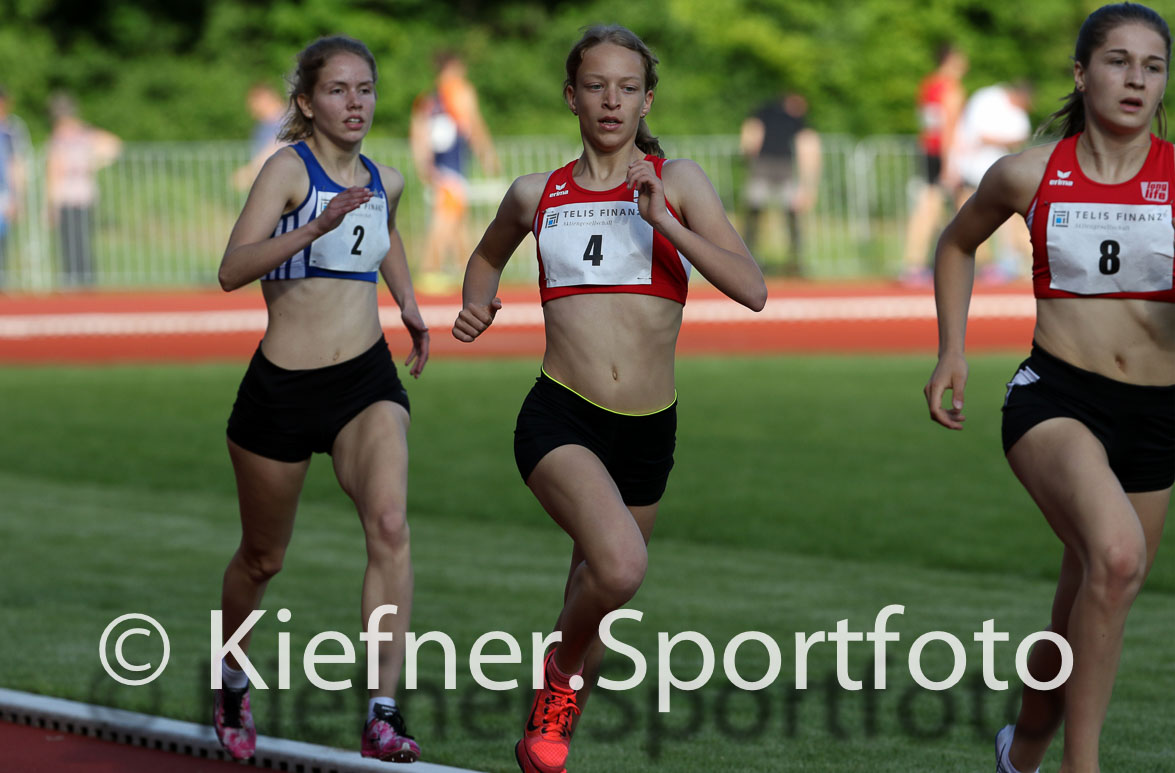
<point>318,227</point>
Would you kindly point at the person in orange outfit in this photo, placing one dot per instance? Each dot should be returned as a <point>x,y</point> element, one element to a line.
<point>446,126</point>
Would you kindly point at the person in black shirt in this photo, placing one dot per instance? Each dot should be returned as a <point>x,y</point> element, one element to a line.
<point>784,159</point>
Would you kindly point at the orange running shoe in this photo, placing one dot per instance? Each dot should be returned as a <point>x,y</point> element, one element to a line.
<point>544,744</point>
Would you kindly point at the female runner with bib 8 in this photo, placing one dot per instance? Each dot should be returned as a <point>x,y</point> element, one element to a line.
<point>617,231</point>
<point>1089,417</point>
<point>319,228</point>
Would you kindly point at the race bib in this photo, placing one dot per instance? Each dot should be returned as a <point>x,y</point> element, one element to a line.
<point>1110,248</point>
<point>599,243</point>
<point>359,243</point>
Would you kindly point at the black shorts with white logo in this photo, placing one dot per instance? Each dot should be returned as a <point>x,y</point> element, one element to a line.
<point>637,450</point>
<point>1135,424</point>
<point>289,414</point>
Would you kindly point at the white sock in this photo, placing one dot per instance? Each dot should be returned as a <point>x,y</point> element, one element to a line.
<point>232,677</point>
<point>379,701</point>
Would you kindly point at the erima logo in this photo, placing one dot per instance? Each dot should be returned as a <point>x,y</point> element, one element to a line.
<point>1156,192</point>
<point>1062,179</point>
<point>560,190</point>
<point>552,220</point>
<point>1061,218</point>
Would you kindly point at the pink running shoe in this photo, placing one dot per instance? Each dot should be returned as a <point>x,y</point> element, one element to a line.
<point>547,738</point>
<point>233,719</point>
<point>386,737</point>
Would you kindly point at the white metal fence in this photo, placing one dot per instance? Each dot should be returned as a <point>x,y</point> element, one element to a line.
<point>165,209</point>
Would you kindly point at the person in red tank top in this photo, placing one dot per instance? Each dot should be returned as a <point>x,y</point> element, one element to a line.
<point>595,437</point>
<point>940,102</point>
<point>1089,417</point>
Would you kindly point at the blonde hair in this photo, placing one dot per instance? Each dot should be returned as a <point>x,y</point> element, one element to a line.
<point>305,77</point>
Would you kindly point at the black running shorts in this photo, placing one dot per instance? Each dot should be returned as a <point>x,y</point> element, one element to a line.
<point>933,168</point>
<point>637,450</point>
<point>1136,424</point>
<point>289,414</point>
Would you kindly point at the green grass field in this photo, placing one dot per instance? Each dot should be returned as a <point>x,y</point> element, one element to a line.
<point>807,490</point>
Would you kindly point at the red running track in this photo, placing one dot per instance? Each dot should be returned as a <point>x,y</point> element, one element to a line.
<point>30,749</point>
<point>810,317</point>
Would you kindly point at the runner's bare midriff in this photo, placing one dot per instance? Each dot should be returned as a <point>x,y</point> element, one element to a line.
<point>1128,340</point>
<point>615,349</point>
<point>317,322</point>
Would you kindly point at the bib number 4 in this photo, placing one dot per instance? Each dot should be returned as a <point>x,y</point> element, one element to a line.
<point>594,251</point>
<point>606,244</point>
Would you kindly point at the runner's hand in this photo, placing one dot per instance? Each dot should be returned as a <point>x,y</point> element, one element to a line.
<point>338,207</point>
<point>473,320</point>
<point>643,177</point>
<point>950,374</point>
<point>419,332</point>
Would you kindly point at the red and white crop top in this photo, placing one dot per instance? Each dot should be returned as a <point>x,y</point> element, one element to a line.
<point>597,242</point>
<point>1091,239</point>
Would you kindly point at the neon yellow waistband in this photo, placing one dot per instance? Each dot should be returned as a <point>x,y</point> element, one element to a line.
<point>603,408</point>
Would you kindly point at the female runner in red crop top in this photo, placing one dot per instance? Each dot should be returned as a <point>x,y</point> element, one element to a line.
<point>1089,418</point>
<point>595,437</point>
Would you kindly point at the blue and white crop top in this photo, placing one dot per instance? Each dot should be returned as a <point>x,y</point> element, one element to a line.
<point>355,248</point>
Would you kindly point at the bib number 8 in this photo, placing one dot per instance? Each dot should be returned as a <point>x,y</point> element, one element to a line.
<point>1110,262</point>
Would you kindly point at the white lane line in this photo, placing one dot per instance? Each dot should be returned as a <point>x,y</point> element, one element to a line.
<point>146,730</point>
<point>441,316</point>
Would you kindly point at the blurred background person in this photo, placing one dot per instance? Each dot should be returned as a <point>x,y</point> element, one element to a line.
<point>994,123</point>
<point>268,109</point>
<point>446,125</point>
<point>940,103</point>
<point>14,144</point>
<point>75,153</point>
<point>784,159</point>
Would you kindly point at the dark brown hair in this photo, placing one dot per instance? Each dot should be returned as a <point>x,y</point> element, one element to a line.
<point>1097,27</point>
<point>620,36</point>
<point>305,77</point>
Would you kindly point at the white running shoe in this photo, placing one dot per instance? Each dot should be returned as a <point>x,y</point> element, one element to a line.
<point>1003,744</point>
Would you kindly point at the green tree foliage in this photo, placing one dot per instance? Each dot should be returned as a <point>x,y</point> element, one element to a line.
<point>179,71</point>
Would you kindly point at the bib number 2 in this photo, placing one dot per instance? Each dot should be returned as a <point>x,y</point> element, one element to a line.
<point>1109,263</point>
<point>595,249</point>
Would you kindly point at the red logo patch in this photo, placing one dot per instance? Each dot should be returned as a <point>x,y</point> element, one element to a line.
<point>1156,192</point>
